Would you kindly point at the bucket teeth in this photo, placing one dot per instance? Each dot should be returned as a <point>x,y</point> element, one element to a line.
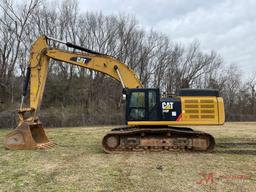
<point>48,145</point>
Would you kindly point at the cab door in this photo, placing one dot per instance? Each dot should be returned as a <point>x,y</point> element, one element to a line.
<point>136,109</point>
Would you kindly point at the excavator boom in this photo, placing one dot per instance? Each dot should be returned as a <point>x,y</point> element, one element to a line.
<point>41,53</point>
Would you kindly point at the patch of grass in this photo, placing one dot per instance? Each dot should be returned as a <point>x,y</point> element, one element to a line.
<point>78,163</point>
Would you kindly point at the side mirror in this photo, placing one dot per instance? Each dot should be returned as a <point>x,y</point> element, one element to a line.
<point>124,97</point>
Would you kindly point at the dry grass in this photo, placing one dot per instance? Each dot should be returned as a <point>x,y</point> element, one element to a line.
<point>78,163</point>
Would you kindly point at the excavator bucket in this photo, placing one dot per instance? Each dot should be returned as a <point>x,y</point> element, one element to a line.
<point>27,136</point>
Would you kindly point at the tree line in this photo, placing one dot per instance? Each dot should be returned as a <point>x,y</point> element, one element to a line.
<point>76,96</point>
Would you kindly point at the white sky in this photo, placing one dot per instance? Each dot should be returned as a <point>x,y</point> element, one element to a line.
<point>227,26</point>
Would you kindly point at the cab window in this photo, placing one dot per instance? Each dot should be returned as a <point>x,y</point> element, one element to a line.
<point>137,99</point>
<point>137,109</point>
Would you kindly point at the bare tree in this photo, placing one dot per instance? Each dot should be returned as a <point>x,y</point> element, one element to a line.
<point>232,85</point>
<point>13,22</point>
<point>187,67</point>
<point>251,90</point>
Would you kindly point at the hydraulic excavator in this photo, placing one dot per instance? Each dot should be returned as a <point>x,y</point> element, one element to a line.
<point>153,123</point>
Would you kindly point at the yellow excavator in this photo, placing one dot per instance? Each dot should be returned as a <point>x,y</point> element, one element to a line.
<point>153,123</point>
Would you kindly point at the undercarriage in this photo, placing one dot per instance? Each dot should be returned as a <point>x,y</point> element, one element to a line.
<point>135,139</point>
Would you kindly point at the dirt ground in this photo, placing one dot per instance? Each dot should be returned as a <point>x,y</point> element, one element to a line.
<point>78,163</point>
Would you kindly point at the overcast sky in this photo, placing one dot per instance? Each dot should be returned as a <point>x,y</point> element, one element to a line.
<point>227,26</point>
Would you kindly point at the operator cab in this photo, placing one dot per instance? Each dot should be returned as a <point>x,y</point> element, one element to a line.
<point>142,104</point>
<point>146,105</point>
